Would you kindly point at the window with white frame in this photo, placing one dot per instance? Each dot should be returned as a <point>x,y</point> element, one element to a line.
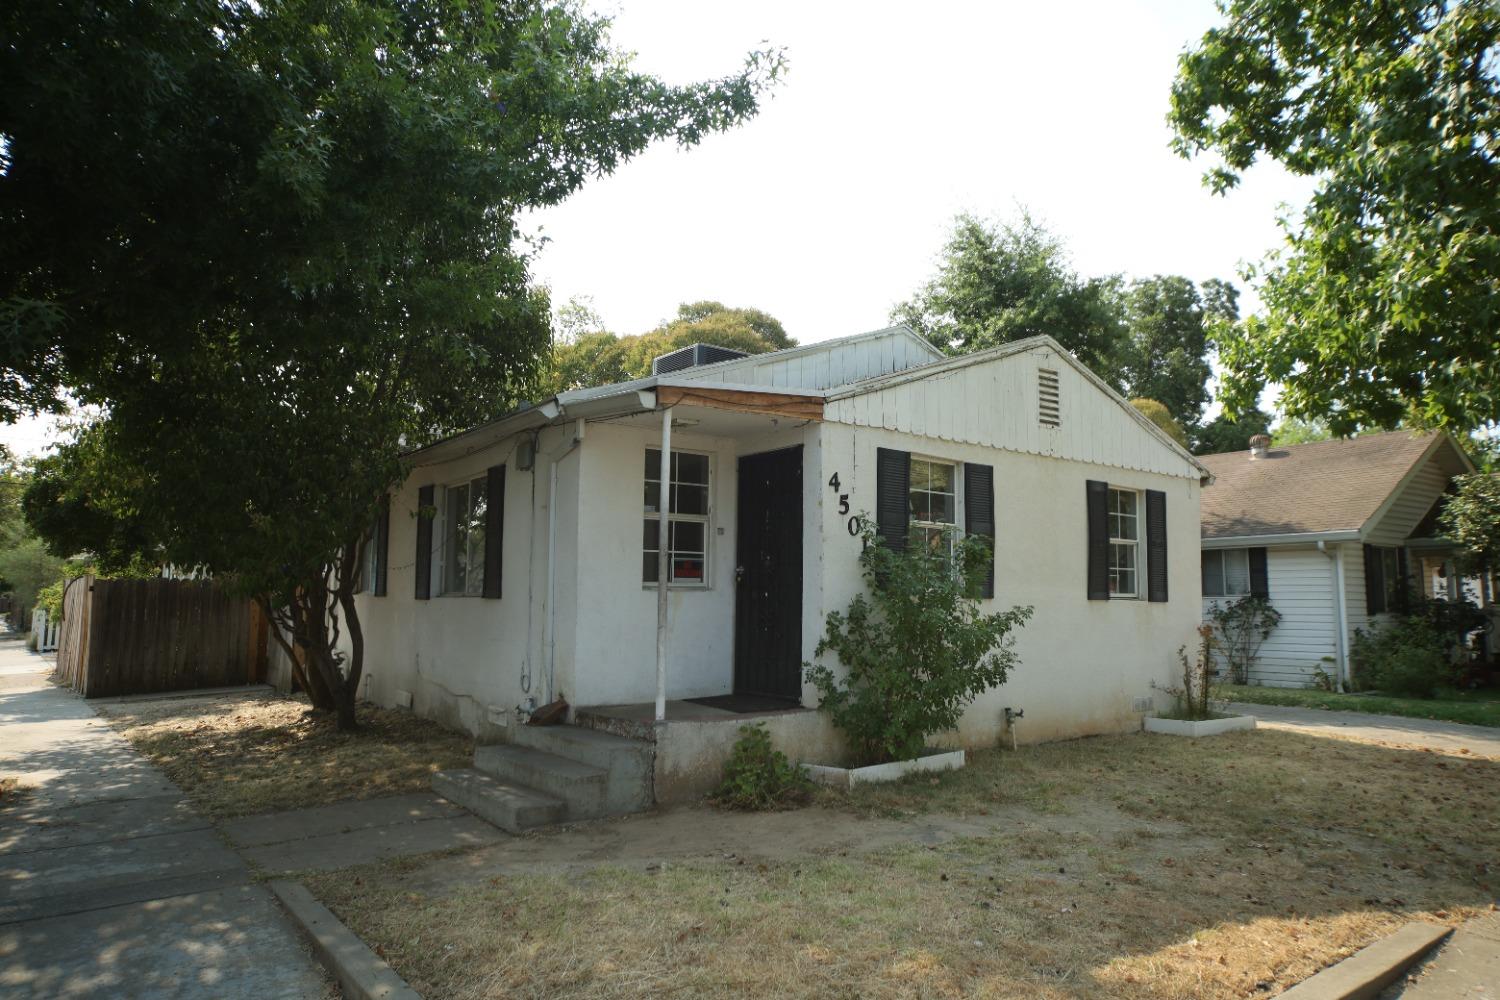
<point>688,496</point>
<point>1124,542</point>
<point>934,504</point>
<point>463,537</point>
<point>1226,573</point>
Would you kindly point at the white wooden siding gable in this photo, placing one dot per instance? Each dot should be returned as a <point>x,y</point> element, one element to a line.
<point>992,398</point>
<point>823,365</point>
<point>1410,501</point>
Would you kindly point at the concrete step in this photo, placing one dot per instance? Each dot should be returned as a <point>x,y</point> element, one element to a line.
<point>630,762</point>
<point>508,806</point>
<point>581,786</point>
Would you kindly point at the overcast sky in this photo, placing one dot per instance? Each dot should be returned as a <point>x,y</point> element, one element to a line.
<point>832,204</point>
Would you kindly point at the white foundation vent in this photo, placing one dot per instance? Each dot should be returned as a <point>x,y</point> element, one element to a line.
<point>1049,398</point>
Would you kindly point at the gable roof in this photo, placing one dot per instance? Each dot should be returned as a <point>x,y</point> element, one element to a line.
<point>1323,488</point>
<point>950,363</point>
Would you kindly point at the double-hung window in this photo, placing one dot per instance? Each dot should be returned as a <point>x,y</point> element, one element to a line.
<point>367,562</point>
<point>1226,573</point>
<point>1124,542</point>
<point>687,494</point>
<point>463,538</point>
<point>933,499</point>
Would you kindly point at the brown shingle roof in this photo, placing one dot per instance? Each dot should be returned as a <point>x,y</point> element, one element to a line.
<point>1307,488</point>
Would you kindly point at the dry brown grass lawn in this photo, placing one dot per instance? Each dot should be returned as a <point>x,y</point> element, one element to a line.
<point>1125,866</point>
<point>238,756</point>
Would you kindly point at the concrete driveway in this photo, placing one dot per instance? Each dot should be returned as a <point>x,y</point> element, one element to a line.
<point>110,885</point>
<point>1390,730</point>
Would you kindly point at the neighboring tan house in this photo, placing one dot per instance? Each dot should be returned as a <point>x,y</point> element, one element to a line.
<point>1334,533</point>
<point>538,577</point>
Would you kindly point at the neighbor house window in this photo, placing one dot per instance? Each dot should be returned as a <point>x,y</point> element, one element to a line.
<point>933,504</point>
<point>687,552</point>
<point>463,538</point>
<point>1226,573</point>
<point>1124,542</point>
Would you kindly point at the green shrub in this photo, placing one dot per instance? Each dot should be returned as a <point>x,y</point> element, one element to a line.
<point>1407,658</point>
<point>760,777</point>
<point>914,652</point>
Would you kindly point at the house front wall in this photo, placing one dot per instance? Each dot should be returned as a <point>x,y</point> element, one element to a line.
<point>613,660</point>
<point>1085,667</point>
<point>468,661</point>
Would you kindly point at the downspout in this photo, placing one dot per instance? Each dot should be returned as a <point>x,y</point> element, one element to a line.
<point>1340,612</point>
<point>551,631</point>
<point>663,542</point>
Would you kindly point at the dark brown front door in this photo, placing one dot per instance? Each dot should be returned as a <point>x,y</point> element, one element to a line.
<point>768,573</point>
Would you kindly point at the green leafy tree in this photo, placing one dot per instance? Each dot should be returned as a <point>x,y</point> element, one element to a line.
<point>1158,415</point>
<point>996,283</point>
<point>1165,354</point>
<point>26,564</point>
<point>1293,430</point>
<point>278,243</point>
<point>915,651</point>
<point>590,356</point>
<point>1383,305</point>
<point>1226,433</point>
<point>1471,518</point>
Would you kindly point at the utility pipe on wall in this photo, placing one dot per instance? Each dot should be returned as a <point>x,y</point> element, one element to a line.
<point>1340,613</point>
<point>551,638</point>
<point>663,541</point>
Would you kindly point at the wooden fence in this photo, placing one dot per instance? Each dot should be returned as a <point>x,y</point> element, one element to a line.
<point>139,636</point>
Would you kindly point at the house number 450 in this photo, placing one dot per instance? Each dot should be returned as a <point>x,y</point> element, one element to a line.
<point>833,484</point>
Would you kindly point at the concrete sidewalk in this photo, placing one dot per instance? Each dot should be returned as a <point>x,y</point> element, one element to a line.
<point>1389,730</point>
<point>112,885</point>
<point>1466,968</point>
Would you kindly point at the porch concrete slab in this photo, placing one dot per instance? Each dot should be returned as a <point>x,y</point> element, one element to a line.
<point>681,711</point>
<point>233,944</point>
<point>381,843</point>
<point>342,817</point>
<point>1390,730</point>
<point>1466,968</point>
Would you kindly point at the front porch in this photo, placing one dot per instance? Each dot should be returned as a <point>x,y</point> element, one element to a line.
<point>694,741</point>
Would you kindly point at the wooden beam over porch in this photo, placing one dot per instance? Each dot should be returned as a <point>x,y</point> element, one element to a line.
<point>773,404</point>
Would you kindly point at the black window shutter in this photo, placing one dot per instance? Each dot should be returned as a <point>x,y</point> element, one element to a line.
<point>1156,546</point>
<point>494,528</point>
<point>1374,581</point>
<point>424,543</point>
<point>979,515</point>
<point>382,543</point>
<point>1098,529</point>
<point>892,496</point>
<point>1260,578</point>
<point>1403,589</point>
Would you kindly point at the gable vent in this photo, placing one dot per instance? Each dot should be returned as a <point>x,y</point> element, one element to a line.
<point>1049,405</point>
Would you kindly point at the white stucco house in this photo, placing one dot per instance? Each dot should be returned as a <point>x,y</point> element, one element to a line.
<point>540,575</point>
<point>1334,533</point>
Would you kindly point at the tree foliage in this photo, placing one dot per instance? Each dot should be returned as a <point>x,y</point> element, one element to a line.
<point>277,241</point>
<point>589,355</point>
<point>1383,304</point>
<point>1164,356</point>
<point>1225,433</point>
<point>1158,415</point>
<point>1471,518</point>
<point>999,282</point>
<point>915,651</point>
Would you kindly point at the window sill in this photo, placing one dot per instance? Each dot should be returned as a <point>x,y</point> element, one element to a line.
<point>679,586</point>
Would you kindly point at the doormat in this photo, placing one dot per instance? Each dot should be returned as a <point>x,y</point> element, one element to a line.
<point>744,703</point>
